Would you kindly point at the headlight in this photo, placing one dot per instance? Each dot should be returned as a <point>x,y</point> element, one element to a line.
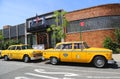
<point>109,55</point>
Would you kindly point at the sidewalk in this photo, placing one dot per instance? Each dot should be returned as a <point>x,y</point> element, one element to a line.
<point>116,57</point>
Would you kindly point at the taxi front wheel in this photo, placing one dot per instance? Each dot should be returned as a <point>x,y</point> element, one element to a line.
<point>6,58</point>
<point>53,60</point>
<point>26,59</point>
<point>99,61</point>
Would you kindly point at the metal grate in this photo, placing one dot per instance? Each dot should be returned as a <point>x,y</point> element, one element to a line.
<point>106,22</point>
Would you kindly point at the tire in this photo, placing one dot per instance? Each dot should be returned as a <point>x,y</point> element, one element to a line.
<point>6,58</point>
<point>26,59</point>
<point>53,60</point>
<point>99,61</point>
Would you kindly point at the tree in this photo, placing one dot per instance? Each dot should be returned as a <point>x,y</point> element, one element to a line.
<point>58,27</point>
<point>4,44</point>
<point>117,35</point>
<point>1,36</point>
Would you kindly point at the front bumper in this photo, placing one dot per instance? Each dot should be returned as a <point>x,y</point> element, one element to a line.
<point>36,58</point>
<point>111,61</point>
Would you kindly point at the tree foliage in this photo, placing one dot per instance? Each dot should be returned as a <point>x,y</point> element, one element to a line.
<point>58,27</point>
<point>117,35</point>
<point>5,44</point>
<point>1,36</point>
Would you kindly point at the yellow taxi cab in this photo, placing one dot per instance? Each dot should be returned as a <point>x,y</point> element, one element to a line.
<point>21,52</point>
<point>0,54</point>
<point>79,52</point>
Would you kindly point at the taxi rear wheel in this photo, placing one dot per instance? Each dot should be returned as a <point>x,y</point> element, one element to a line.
<point>53,60</point>
<point>6,58</point>
<point>26,59</point>
<point>99,61</point>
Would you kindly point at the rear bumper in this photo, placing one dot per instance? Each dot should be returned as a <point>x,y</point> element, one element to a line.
<point>36,58</point>
<point>111,61</point>
<point>0,56</point>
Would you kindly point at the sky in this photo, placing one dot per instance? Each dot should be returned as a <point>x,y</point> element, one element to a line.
<point>14,12</point>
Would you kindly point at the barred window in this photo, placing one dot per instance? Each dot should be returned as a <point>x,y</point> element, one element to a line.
<point>21,29</point>
<point>106,22</point>
<point>13,32</point>
<point>6,33</point>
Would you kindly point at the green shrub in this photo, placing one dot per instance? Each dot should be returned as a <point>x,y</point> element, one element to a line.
<point>118,50</point>
<point>115,46</point>
<point>4,45</point>
<point>108,43</point>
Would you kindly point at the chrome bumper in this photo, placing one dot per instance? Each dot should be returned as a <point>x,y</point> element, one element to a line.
<point>111,62</point>
<point>36,58</point>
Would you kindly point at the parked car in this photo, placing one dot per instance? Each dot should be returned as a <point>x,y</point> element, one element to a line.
<point>0,54</point>
<point>78,52</point>
<point>21,52</point>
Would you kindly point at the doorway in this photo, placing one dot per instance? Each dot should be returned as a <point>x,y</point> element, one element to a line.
<point>42,38</point>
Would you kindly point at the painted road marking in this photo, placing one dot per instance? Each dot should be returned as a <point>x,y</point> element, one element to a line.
<point>64,73</point>
<point>103,77</point>
<point>91,71</point>
<point>22,78</point>
<point>43,76</point>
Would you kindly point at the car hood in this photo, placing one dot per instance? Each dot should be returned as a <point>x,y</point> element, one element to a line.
<point>35,50</point>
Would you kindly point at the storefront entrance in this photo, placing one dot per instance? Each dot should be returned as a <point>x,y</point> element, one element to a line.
<point>42,38</point>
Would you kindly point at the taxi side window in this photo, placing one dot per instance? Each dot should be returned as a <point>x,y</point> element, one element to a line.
<point>78,45</point>
<point>12,48</point>
<point>67,46</point>
<point>18,48</point>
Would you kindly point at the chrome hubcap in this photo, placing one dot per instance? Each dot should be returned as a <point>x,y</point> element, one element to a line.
<point>100,62</point>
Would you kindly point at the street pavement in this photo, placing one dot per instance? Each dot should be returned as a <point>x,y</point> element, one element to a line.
<point>15,69</point>
<point>116,57</point>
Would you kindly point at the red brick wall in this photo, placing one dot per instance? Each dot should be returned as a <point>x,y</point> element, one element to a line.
<point>104,10</point>
<point>93,38</point>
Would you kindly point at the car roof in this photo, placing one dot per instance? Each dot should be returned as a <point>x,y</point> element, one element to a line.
<point>18,45</point>
<point>70,42</point>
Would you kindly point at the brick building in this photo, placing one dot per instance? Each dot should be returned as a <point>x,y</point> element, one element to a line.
<point>36,28</point>
<point>99,22</point>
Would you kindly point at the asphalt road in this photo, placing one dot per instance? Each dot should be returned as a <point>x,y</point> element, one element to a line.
<point>43,70</point>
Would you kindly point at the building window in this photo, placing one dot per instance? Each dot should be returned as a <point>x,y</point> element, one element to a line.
<point>106,22</point>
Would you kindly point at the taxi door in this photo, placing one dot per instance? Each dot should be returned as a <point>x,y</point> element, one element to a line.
<point>78,54</point>
<point>11,52</point>
<point>17,52</point>
<point>65,53</point>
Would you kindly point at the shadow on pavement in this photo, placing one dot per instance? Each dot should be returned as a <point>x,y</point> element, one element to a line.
<point>15,60</point>
<point>113,66</point>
